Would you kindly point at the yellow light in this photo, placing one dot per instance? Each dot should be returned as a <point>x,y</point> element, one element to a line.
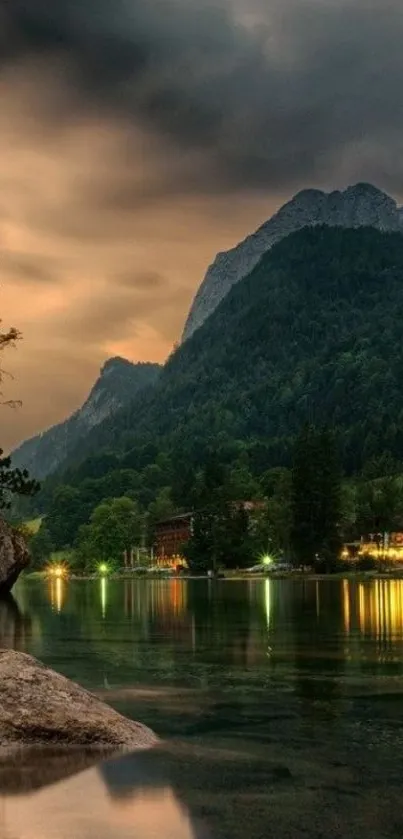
<point>267,560</point>
<point>59,572</point>
<point>103,568</point>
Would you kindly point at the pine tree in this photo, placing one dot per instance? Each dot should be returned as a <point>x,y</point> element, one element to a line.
<point>316,498</point>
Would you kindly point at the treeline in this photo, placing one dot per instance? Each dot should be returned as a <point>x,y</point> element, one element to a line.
<point>305,513</point>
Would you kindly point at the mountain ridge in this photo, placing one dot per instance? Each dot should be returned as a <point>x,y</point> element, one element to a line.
<point>119,381</point>
<point>360,205</point>
<point>294,342</point>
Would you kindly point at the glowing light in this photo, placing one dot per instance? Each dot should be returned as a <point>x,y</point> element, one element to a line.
<point>58,572</point>
<point>103,568</point>
<point>267,559</point>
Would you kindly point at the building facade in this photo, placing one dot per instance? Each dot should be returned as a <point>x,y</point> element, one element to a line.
<point>172,533</point>
<point>385,546</point>
<point>170,536</point>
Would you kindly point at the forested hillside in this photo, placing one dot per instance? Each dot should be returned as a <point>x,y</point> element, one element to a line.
<point>312,335</point>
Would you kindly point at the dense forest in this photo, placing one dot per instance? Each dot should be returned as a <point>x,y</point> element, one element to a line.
<point>311,336</point>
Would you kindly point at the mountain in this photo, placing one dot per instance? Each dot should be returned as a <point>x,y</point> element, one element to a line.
<point>119,383</point>
<point>312,334</point>
<point>358,206</point>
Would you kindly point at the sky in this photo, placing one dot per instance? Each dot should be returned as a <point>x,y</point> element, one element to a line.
<point>140,137</point>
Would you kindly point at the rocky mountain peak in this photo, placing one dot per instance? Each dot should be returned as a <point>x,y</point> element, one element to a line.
<point>361,205</point>
<point>115,364</point>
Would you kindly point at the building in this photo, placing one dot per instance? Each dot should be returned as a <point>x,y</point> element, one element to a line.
<point>385,546</point>
<point>170,535</point>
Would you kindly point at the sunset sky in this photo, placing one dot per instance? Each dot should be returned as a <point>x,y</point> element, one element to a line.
<point>139,137</point>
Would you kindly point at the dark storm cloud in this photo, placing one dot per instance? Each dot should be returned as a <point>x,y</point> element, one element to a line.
<point>265,93</point>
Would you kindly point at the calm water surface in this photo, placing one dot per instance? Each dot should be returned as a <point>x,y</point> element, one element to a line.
<point>279,704</point>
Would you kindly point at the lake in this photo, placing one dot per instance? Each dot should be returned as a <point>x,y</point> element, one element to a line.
<point>279,704</point>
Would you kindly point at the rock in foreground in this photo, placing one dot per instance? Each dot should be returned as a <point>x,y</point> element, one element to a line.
<point>39,706</point>
<point>14,556</point>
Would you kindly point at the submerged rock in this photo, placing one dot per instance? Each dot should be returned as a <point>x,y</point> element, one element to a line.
<point>39,707</point>
<point>14,556</point>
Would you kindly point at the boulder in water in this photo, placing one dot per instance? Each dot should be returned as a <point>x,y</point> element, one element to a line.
<point>41,707</point>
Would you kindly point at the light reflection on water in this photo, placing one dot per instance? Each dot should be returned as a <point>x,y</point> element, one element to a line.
<point>222,662</point>
<point>230,616</point>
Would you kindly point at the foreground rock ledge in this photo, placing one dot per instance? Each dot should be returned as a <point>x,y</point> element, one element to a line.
<point>40,707</point>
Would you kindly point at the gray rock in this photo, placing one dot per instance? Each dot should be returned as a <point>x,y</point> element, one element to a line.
<point>41,707</point>
<point>14,556</point>
<point>362,205</point>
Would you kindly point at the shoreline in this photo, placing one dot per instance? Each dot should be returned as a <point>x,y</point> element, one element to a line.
<point>356,576</point>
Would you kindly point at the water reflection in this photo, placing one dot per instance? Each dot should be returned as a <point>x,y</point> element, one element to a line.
<point>374,608</point>
<point>381,609</point>
<point>267,587</point>
<point>238,664</point>
<point>123,798</point>
<point>104,594</point>
<point>57,588</point>
<point>15,627</point>
<point>206,632</point>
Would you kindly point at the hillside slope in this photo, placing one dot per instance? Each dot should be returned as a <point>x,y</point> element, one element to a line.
<point>358,206</point>
<point>312,334</point>
<point>119,383</point>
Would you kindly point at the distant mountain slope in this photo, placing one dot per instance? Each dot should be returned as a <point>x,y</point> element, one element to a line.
<point>119,383</point>
<point>358,206</point>
<point>312,334</point>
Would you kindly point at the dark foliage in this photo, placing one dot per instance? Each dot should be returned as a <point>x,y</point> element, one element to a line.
<point>316,498</point>
<point>14,482</point>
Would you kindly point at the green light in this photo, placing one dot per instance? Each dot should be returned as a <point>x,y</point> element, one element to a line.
<point>103,568</point>
<point>267,560</point>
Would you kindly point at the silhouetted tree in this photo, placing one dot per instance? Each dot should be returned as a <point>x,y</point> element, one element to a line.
<point>13,481</point>
<point>316,498</point>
